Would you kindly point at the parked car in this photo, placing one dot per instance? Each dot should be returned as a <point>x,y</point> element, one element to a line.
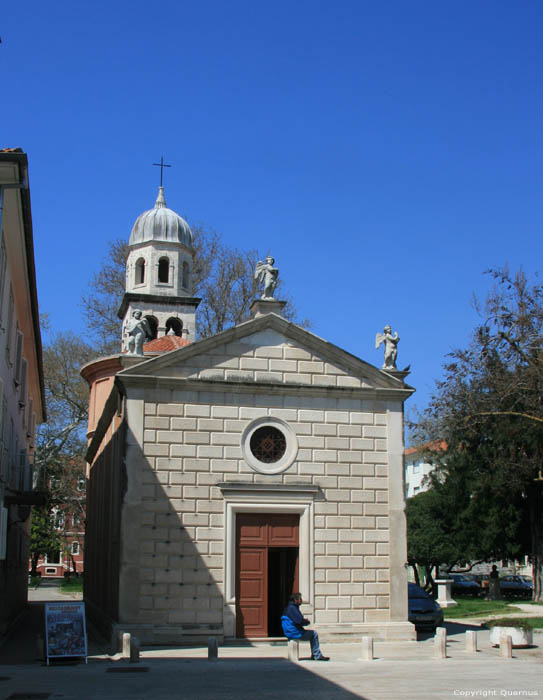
<point>464,585</point>
<point>515,587</point>
<point>424,611</point>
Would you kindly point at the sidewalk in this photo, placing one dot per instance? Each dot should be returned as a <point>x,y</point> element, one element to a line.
<point>405,670</point>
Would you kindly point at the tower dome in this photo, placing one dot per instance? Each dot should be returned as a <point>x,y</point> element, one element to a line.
<point>161,224</point>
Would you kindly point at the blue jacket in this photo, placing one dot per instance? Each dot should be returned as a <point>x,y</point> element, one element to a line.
<point>293,621</point>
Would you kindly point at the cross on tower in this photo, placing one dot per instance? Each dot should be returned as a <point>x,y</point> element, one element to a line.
<point>162,165</point>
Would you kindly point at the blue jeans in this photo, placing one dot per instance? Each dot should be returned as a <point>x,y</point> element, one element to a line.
<point>312,637</point>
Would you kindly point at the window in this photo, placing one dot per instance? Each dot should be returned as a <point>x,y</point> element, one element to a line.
<point>416,467</point>
<point>163,270</point>
<point>185,280</point>
<point>75,548</point>
<point>139,277</point>
<point>81,483</point>
<point>18,357</point>
<point>9,327</point>
<point>174,326</point>
<point>269,445</point>
<point>76,520</point>
<point>22,387</point>
<point>58,520</point>
<point>53,557</point>
<point>2,275</point>
<point>153,325</point>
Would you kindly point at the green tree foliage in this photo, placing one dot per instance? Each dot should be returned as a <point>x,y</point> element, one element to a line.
<point>60,443</point>
<point>44,538</point>
<point>452,525</point>
<point>489,410</point>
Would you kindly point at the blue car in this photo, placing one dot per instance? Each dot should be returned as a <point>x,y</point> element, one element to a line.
<point>515,586</point>
<point>424,611</point>
<point>465,585</point>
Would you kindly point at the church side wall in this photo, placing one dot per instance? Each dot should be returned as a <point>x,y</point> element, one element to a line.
<point>105,488</point>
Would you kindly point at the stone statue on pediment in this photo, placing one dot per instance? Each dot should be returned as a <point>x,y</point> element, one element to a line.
<point>266,274</point>
<point>391,351</point>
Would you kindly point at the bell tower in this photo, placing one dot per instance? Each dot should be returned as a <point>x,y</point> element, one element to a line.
<point>159,274</point>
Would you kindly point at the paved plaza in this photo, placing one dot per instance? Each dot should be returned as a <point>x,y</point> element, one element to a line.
<point>399,670</point>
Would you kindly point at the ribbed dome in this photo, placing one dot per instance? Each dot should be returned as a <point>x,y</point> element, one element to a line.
<point>161,224</point>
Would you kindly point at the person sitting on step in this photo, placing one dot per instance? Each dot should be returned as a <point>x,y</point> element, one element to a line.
<point>293,623</point>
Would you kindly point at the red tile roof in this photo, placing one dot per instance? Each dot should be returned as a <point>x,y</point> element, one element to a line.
<point>165,344</point>
<point>429,446</point>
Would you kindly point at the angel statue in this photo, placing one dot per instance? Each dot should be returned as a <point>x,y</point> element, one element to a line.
<point>266,274</point>
<point>391,351</point>
<point>138,330</point>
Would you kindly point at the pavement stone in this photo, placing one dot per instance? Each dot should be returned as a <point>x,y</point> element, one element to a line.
<point>400,670</point>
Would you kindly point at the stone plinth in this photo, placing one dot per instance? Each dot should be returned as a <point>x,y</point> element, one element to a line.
<point>261,307</point>
<point>444,597</point>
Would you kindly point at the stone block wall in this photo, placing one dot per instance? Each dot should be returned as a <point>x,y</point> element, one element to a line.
<point>191,447</point>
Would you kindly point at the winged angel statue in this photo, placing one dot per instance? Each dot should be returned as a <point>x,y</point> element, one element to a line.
<point>391,351</point>
<point>266,274</point>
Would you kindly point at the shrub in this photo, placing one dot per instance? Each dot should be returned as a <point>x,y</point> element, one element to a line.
<point>522,622</point>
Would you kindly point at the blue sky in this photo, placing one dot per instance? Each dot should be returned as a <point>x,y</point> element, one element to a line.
<point>386,153</point>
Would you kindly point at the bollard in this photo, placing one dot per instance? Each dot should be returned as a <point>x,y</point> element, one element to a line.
<point>212,649</point>
<point>293,650</point>
<point>471,641</point>
<point>506,647</point>
<point>134,650</point>
<point>126,644</point>
<point>367,648</point>
<point>440,643</point>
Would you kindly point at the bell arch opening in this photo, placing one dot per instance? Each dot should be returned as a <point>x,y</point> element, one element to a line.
<point>174,326</point>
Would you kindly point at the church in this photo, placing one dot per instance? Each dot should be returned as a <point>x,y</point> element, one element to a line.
<point>228,472</point>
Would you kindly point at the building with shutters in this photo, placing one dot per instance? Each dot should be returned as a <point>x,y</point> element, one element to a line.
<point>22,403</point>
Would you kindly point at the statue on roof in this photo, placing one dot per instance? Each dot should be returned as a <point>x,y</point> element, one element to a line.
<point>138,330</point>
<point>266,274</point>
<point>391,350</point>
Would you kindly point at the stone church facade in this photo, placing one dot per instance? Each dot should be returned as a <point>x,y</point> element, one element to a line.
<point>226,473</point>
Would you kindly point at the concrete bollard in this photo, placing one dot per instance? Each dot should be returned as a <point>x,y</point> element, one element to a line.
<point>293,650</point>
<point>367,648</point>
<point>126,644</point>
<point>134,650</point>
<point>440,643</point>
<point>506,647</point>
<point>471,641</point>
<point>212,649</point>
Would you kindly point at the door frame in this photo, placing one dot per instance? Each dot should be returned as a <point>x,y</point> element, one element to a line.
<point>305,550</point>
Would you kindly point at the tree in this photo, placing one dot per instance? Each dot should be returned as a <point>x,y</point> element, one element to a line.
<point>489,410</point>
<point>448,527</point>
<point>67,400</point>
<point>44,538</point>
<point>60,443</point>
<point>222,277</point>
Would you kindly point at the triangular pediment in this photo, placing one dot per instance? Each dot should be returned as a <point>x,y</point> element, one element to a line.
<point>268,350</point>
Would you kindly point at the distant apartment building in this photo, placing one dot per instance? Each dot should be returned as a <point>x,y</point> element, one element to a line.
<point>22,403</point>
<point>417,469</point>
<point>69,522</point>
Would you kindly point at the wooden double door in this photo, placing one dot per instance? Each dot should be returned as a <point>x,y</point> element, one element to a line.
<point>266,571</point>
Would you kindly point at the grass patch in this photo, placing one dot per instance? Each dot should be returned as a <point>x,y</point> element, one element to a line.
<point>72,585</point>
<point>477,607</point>
<point>34,581</point>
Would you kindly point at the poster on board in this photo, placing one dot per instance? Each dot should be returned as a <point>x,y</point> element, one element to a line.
<point>65,630</point>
